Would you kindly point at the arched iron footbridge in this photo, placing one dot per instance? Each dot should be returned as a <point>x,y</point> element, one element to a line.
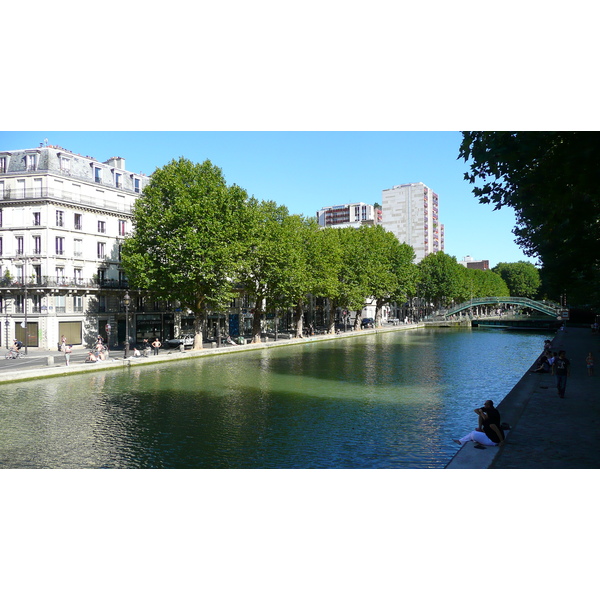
<point>548,308</point>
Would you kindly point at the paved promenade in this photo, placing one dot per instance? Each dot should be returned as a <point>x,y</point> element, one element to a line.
<point>549,432</point>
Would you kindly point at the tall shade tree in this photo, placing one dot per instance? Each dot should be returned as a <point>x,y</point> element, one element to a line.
<point>550,179</point>
<point>482,284</point>
<point>388,268</point>
<point>188,239</point>
<point>522,278</point>
<point>328,270</point>
<point>441,280</point>
<point>271,256</point>
<point>297,267</point>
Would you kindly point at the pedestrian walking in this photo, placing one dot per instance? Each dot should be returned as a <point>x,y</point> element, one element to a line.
<point>561,369</point>
<point>68,351</point>
<point>155,346</point>
<point>589,361</point>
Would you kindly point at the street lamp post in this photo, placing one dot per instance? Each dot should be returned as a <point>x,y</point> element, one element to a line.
<point>126,302</point>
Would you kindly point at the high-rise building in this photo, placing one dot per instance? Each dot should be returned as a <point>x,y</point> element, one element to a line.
<point>348,215</point>
<point>63,218</point>
<point>410,212</point>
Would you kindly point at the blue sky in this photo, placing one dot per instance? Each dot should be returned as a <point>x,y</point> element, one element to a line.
<point>306,171</point>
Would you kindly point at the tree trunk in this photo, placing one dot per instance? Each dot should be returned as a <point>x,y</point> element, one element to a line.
<point>257,318</point>
<point>357,320</point>
<point>256,326</point>
<point>331,319</point>
<point>378,307</point>
<point>198,325</point>
<point>298,318</point>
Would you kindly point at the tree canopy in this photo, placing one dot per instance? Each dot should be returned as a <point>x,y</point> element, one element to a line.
<point>549,178</point>
<point>522,278</point>
<point>188,240</point>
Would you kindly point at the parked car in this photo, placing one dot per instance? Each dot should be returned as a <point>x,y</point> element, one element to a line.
<point>186,340</point>
<point>366,323</point>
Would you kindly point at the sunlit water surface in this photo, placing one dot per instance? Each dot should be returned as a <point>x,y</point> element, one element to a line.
<point>394,400</point>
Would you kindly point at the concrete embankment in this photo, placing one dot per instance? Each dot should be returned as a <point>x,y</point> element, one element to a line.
<point>548,432</point>
<point>54,364</point>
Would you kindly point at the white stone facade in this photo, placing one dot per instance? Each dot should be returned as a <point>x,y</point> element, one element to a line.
<point>63,219</point>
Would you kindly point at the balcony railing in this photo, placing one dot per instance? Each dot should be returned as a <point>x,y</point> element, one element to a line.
<point>64,282</point>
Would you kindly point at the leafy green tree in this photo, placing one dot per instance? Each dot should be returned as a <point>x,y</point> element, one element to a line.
<point>300,235</point>
<point>266,263</point>
<point>483,284</point>
<point>550,179</point>
<point>329,266</point>
<point>392,274</point>
<point>188,239</point>
<point>441,279</point>
<point>522,278</point>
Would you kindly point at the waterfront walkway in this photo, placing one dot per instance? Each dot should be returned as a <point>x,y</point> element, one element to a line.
<point>548,432</point>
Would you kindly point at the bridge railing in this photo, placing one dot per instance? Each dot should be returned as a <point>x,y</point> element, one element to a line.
<point>544,306</point>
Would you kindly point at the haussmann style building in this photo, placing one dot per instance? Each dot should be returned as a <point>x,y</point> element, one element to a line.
<point>63,218</point>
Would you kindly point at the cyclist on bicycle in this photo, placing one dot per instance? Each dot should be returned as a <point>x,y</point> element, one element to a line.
<point>17,345</point>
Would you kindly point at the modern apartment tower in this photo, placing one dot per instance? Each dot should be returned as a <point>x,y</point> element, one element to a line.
<point>348,215</point>
<point>410,212</point>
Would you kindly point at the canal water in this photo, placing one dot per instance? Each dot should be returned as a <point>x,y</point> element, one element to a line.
<point>394,400</point>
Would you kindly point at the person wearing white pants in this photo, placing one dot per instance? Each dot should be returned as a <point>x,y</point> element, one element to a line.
<point>477,436</point>
<point>488,432</point>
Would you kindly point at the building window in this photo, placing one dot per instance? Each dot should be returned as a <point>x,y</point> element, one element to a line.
<point>59,304</point>
<point>77,304</point>
<point>136,186</point>
<point>3,164</point>
<point>20,245</point>
<point>101,275</point>
<point>1,251</point>
<point>101,226</point>
<point>37,274</point>
<point>60,245</point>
<point>60,275</point>
<point>122,227</point>
<point>77,246</point>
<point>101,249</point>
<point>97,174</point>
<point>77,219</point>
<point>65,164</point>
<point>37,218</point>
<point>118,180</point>
<point>37,303</point>
<point>60,216</point>
<point>37,244</point>
<point>31,161</point>
<point>77,275</point>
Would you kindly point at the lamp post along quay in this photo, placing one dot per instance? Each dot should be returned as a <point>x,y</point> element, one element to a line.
<point>126,302</point>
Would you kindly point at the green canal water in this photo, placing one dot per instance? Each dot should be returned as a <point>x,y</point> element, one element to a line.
<point>393,400</point>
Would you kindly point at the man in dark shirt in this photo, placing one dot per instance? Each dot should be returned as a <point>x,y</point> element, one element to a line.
<point>561,369</point>
<point>488,432</point>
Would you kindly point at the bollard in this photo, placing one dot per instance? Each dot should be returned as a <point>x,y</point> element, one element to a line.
<point>49,361</point>
<point>213,344</point>
<point>181,348</point>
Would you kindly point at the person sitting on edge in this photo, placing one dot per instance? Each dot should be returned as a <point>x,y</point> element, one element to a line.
<point>488,432</point>
<point>91,357</point>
